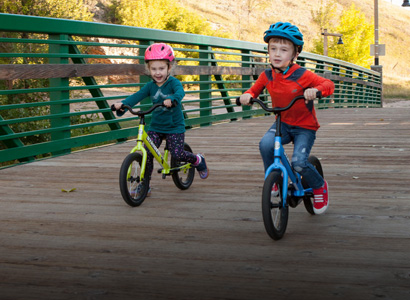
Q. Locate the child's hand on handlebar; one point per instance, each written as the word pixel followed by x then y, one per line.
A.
pixel 167 102
pixel 310 94
pixel 117 106
pixel 245 99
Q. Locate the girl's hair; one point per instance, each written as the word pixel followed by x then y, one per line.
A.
pixel 171 65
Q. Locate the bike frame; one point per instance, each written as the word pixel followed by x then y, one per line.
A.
pixel 281 162
pixel 144 139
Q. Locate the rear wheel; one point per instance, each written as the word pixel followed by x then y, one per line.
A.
pixel 308 201
pixel 275 214
pixel 183 178
pixel 133 189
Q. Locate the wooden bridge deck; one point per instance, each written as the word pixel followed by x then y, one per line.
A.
pixel 209 242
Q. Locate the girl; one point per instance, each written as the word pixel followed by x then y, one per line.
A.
pixel 167 122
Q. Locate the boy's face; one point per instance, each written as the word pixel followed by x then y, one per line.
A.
pixel 158 70
pixel 281 52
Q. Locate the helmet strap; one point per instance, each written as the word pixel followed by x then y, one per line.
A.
pixel 283 71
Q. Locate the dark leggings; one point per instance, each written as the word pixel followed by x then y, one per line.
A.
pixel 175 143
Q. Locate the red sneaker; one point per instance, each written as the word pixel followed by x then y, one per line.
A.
pixel 321 199
pixel 275 190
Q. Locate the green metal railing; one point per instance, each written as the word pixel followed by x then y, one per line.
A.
pixel 59 77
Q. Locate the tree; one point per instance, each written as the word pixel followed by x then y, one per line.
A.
pixel 357 36
pixel 163 15
pixel 325 15
pixel 159 14
pixel 68 9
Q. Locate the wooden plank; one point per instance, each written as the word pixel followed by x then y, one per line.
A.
pixel 208 242
pixel 334 77
pixel 10 72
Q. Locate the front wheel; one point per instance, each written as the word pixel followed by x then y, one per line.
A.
pixel 275 214
pixel 133 188
pixel 308 201
pixel 183 178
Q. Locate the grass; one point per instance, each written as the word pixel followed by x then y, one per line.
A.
pixel 230 16
pixel 396 88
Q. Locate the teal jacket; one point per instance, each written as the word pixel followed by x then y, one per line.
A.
pixel 164 120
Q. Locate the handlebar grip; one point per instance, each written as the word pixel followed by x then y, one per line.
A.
pixel 319 95
pixel 120 109
pixel 238 102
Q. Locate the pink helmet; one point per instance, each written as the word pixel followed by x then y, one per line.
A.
pixel 159 51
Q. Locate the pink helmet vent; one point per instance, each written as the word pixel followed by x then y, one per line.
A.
pixel 159 51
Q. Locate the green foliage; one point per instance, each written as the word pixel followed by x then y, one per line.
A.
pixel 67 9
pixel 357 35
pixel 163 15
pixel 160 14
pixel 325 15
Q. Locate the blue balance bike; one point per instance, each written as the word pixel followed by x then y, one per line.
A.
pixel 291 189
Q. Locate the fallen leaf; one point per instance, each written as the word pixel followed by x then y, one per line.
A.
pixel 68 191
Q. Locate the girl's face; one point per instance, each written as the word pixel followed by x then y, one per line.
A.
pixel 158 70
pixel 281 53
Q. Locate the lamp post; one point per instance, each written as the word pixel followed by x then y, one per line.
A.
pixel 376 32
pixel 326 34
pixel 376 47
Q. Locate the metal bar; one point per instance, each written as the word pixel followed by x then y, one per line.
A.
pixel 95 92
pixel 59 95
pixel 208 100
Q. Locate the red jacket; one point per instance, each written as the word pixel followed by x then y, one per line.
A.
pixel 283 88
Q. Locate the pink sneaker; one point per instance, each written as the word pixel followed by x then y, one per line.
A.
pixel 321 199
pixel 201 166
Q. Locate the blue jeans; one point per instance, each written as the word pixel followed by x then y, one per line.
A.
pixel 303 140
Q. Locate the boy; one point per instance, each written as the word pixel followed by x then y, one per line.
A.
pixel 284 81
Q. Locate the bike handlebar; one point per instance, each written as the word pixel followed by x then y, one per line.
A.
pixel 140 113
pixel 276 110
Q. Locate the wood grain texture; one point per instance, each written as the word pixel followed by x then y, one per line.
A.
pixel 208 242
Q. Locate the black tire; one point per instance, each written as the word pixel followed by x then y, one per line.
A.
pixel 128 186
pixel 308 201
pixel 182 180
pixel 275 214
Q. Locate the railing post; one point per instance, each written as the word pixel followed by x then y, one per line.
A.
pixel 348 88
pixel 61 94
pixel 204 86
pixel 246 84
pixel 379 68
pixel 144 78
pixel 222 87
pixel 359 90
